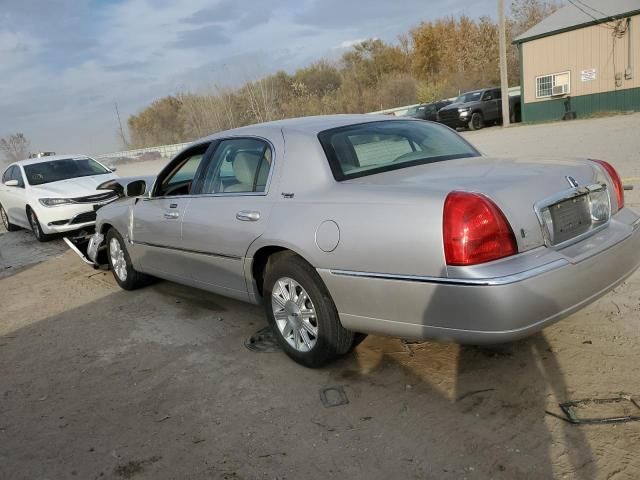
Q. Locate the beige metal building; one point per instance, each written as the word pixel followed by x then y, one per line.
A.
pixel 588 51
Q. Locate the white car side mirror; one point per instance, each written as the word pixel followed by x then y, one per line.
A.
pixel 112 168
pixel 11 183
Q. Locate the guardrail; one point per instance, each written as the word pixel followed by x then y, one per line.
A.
pixel 141 154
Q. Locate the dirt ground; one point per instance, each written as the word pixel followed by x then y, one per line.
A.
pixel 96 382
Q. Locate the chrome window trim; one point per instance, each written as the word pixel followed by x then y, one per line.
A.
pixel 202 195
pixel 567 195
pixel 186 250
pixel 494 281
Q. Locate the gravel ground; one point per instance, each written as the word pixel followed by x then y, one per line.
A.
pixel 96 382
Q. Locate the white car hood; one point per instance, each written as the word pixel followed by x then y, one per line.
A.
pixel 74 187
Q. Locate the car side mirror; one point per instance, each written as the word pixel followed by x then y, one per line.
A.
pixel 137 188
pixel 12 183
pixel 112 168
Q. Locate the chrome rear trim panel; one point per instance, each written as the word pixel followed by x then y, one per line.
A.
pixel 517 277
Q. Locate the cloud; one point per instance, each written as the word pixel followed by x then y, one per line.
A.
pixel 221 12
pixel 63 63
pixel 209 35
pixel 350 43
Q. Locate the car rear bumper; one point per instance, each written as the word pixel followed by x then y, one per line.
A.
pixel 477 307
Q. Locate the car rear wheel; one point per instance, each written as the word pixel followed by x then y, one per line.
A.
pixel 120 263
pixel 302 313
pixel 36 228
pixel 10 227
pixel 476 122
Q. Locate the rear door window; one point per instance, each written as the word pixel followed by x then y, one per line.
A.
pixel 7 174
pixel 238 165
pixel 16 174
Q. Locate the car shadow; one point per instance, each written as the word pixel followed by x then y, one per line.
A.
pixel 162 373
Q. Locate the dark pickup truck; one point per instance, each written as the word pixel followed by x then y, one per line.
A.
pixel 478 108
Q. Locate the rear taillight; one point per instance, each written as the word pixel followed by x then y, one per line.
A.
pixel 615 178
pixel 475 230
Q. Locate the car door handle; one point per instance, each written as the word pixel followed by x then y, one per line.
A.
pixel 248 216
pixel 171 215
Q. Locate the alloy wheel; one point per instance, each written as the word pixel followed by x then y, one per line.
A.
pixel 295 314
pixel 118 262
pixel 33 220
pixel 5 220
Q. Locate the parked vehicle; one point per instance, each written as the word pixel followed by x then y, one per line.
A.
pixel 370 224
pixel 53 194
pixel 478 108
pixel 429 111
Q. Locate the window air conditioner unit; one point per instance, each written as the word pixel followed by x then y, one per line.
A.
pixel 562 89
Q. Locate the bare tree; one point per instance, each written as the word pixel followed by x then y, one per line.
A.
pixel 262 99
pixel 15 147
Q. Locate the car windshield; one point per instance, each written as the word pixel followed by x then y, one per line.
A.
pixel 369 148
pixel 64 169
pixel 468 97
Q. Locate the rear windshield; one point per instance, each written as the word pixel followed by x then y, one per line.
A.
pixel 57 170
pixel 369 148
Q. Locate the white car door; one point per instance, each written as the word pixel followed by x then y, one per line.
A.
pixel 14 198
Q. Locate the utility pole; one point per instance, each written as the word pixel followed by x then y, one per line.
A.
pixel 123 137
pixel 504 81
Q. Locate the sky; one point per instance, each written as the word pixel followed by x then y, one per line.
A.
pixel 64 64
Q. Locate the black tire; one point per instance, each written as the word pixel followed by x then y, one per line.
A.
pixel 132 278
pixel 476 122
pixel 332 340
pixel 10 227
pixel 36 228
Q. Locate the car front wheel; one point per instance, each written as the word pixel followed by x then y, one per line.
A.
pixel 36 228
pixel 302 313
pixel 476 122
pixel 120 263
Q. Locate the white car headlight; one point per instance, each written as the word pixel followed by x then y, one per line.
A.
pixel 54 202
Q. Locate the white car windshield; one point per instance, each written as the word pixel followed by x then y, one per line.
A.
pixel 64 169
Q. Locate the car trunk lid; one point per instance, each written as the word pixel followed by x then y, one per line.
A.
pixel 517 186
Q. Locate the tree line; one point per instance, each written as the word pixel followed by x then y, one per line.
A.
pixel 436 59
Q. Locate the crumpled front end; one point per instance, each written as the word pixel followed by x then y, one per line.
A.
pixel 93 247
pixel 88 248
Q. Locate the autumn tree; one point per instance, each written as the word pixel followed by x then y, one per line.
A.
pixel 14 147
pixel 158 124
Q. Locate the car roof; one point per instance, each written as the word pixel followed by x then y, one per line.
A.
pixel 305 125
pixel 32 161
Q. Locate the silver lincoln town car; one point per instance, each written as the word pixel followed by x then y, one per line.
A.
pixel 368 224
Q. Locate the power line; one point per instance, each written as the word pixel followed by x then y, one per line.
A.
pixel 590 15
pixel 592 8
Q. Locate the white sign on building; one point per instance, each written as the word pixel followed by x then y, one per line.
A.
pixel 588 75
